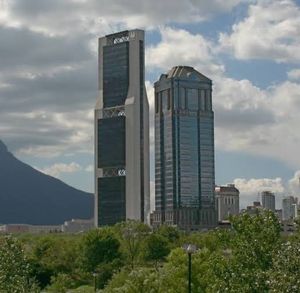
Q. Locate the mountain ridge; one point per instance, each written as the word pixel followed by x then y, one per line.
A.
pixel 29 196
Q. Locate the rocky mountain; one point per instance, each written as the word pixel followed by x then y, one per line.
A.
pixel 31 197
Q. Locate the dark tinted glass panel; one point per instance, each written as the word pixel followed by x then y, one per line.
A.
pixel 111 200
pixel 182 98
pixel 115 74
pixel 164 97
pixel 193 99
pixel 111 142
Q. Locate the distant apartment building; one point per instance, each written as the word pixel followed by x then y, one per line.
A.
pixel 289 208
pixel 228 203
pixel 184 150
pixel 268 200
pixel 77 225
pixel 32 229
pixel 253 209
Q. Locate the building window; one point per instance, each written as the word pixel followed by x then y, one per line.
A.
pixel 164 98
pixel 192 95
pixel 169 99
pixel 208 100
pixel 202 100
pixel 156 103
pixel 182 98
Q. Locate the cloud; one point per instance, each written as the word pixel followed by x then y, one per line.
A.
pixel 48 87
pixel 251 189
pixel 46 133
pixel 56 169
pixel 178 45
pixel 257 121
pixel 270 31
pixel 33 52
pixel 106 16
pixel 294 74
pixel 294 184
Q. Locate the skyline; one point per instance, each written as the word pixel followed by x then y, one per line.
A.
pixel 48 81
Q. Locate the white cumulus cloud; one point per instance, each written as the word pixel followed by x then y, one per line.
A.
pixel 294 74
pixel 58 168
pixel 270 31
pixel 180 47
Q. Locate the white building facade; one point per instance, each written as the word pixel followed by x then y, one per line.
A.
pixel 228 201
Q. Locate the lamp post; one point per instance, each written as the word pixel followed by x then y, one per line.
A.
pixel 95 281
pixel 190 249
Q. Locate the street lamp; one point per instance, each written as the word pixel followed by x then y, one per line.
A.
pixel 190 249
pixel 95 281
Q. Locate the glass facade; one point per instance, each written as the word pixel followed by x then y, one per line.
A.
pixel 115 74
pixel 184 145
pixel 111 136
pixel 111 200
pixel 121 130
pixel 111 142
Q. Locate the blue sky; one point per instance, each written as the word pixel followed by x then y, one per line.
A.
pixel 250 49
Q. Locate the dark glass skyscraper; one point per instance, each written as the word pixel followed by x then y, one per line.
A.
pixel 121 131
pixel 184 150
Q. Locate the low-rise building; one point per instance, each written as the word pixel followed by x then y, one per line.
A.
pixel 228 202
pixel 77 225
pixel 26 228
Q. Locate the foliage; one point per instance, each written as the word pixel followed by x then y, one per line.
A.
pixel 156 248
pixel 14 267
pixel 98 246
pixel 249 257
pixel 172 234
pixel 61 283
pixel 132 234
pixel 285 274
pixel 135 281
pixel 51 255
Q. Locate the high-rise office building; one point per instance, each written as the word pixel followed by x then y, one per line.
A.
pixel 289 208
pixel 121 131
pixel 184 150
pixel 268 200
pixel 228 202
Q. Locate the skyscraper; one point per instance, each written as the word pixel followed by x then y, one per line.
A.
pixel 268 200
pixel 184 150
pixel 289 208
pixel 121 131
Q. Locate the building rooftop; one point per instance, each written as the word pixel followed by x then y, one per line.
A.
pixel 227 188
pixel 185 72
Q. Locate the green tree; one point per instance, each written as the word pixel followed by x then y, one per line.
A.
pixel 284 276
pixel 170 233
pixel 132 234
pixel 52 255
pixel 138 280
pixel 14 268
pixel 254 239
pixel 61 283
pixel 156 248
pixel 99 246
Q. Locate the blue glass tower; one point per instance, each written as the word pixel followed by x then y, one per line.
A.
pixel 184 150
